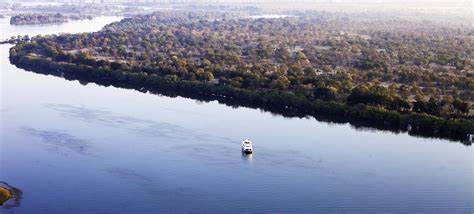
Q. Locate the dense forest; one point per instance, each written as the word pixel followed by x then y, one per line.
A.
pixel 401 72
pixel 30 19
pixel 73 11
pixel 35 18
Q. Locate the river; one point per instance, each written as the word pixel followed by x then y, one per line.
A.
pixel 73 147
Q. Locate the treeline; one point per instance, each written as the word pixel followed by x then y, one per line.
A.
pixel 45 18
pixel 74 10
pixel 34 18
pixel 281 102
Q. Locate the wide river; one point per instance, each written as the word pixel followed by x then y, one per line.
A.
pixel 73 147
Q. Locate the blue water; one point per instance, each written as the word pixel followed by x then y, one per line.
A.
pixel 75 148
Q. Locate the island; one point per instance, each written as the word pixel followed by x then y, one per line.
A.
pixel 71 10
pixel 34 18
pixel 5 195
pixel 29 19
pixel 399 75
pixel 10 194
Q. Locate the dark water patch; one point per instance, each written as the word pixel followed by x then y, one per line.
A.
pixel 209 153
pixel 128 174
pixel 60 139
pixel 144 127
pixel 147 184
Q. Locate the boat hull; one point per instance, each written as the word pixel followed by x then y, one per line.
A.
pixel 247 151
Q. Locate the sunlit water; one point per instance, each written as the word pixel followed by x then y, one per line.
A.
pixel 80 26
pixel 74 148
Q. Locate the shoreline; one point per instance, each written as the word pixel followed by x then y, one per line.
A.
pixel 283 103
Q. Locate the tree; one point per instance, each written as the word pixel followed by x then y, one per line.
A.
pixel 461 106
pixel 325 93
pixel 465 108
pixel 116 65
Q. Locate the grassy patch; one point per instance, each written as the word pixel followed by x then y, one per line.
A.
pixel 4 195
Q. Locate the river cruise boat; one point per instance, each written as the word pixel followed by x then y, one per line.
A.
pixel 247 146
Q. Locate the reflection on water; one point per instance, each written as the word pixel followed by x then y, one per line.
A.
pixel 247 157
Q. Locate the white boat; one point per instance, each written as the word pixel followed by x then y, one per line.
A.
pixel 247 146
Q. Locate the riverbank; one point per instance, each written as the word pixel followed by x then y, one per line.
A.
pixel 284 103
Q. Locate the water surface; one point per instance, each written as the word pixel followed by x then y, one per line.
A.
pixel 73 147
